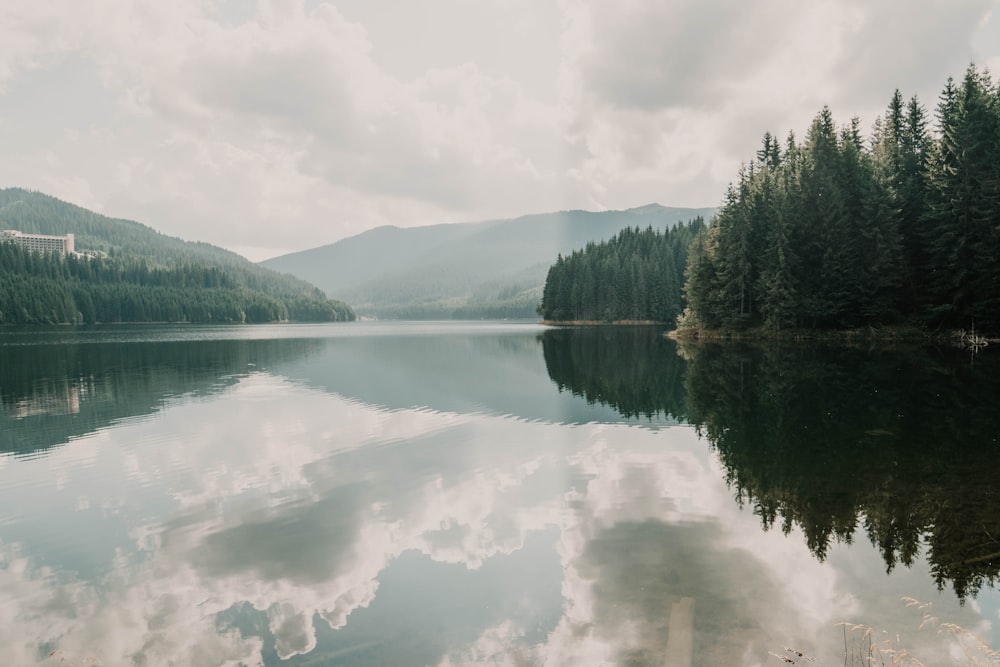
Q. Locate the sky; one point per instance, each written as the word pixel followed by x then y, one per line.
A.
pixel 279 125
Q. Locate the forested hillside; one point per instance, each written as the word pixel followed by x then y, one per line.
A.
pixel 471 270
pixel 636 275
pixel 135 274
pixel 838 231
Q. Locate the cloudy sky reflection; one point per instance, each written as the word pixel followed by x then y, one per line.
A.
pixel 276 521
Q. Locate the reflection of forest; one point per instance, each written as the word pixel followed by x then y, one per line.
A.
pixel 57 400
pixel 51 393
pixel 635 370
pixel 904 443
pixel 901 443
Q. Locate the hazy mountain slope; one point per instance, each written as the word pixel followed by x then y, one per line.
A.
pixel 487 269
pixel 366 256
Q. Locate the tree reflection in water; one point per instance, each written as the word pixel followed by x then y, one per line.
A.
pixel 900 442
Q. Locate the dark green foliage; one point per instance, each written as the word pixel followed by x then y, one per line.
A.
pixel 962 220
pixel 900 148
pixel 138 275
pixel 635 370
pixel 902 444
pixel 636 275
pixel 837 232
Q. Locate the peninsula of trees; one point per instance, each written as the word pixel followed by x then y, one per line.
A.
pixel 134 274
pixel 835 232
pixel 839 232
pixel 635 276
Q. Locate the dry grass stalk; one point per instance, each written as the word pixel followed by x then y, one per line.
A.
pixel 872 648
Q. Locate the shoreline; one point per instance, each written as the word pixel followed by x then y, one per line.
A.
pixel 166 323
pixel 604 323
pixel 902 334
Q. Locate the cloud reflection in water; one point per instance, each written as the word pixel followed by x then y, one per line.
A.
pixel 276 522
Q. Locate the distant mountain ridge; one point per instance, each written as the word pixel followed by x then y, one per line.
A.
pixel 494 268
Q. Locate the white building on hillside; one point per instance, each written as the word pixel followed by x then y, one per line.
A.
pixel 39 242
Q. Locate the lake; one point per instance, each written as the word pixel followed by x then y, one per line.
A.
pixel 489 493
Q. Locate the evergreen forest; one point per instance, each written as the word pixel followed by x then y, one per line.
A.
pixel 636 275
pixel 130 273
pixel 838 231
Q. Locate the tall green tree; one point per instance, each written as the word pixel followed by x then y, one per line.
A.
pixel 962 221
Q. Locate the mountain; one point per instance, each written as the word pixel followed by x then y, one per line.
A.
pixel 129 272
pixel 494 268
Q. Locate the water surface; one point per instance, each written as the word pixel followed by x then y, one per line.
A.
pixel 445 494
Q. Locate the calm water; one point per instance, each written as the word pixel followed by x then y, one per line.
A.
pixel 451 494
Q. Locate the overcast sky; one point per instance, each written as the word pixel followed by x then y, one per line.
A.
pixel 282 125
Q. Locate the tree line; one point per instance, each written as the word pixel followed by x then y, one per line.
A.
pixel 635 275
pixel 838 231
pixel 37 288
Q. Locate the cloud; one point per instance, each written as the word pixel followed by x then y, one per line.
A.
pixel 305 82
pixel 33 36
pixel 651 56
pixel 893 46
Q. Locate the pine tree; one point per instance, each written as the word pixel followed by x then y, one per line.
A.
pixel 899 156
pixel 964 204
pixel 733 255
pixel 778 297
pixel 822 235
